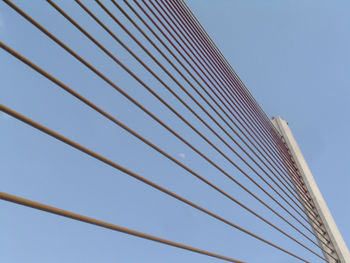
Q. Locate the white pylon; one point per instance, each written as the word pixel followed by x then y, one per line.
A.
pixel 336 241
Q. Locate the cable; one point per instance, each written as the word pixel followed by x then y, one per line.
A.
pixel 129 172
pixel 81 98
pixel 163 25
pixel 114 36
pixel 172 14
pixel 208 103
pixel 151 30
pixel 219 83
pixel 273 131
pixel 146 111
pixel 182 26
pixel 192 127
pixel 175 26
pixel 197 74
pixel 96 222
pixel 187 23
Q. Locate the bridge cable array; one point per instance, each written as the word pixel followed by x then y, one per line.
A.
pixel 233 110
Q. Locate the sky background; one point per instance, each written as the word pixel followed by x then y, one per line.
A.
pixel 294 57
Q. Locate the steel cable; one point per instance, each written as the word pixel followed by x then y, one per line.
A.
pixel 89 220
pixel 160 22
pixel 129 172
pixel 280 150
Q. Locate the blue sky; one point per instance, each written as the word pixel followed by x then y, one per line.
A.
pixel 294 56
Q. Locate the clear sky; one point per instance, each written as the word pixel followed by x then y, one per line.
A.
pixel 294 57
